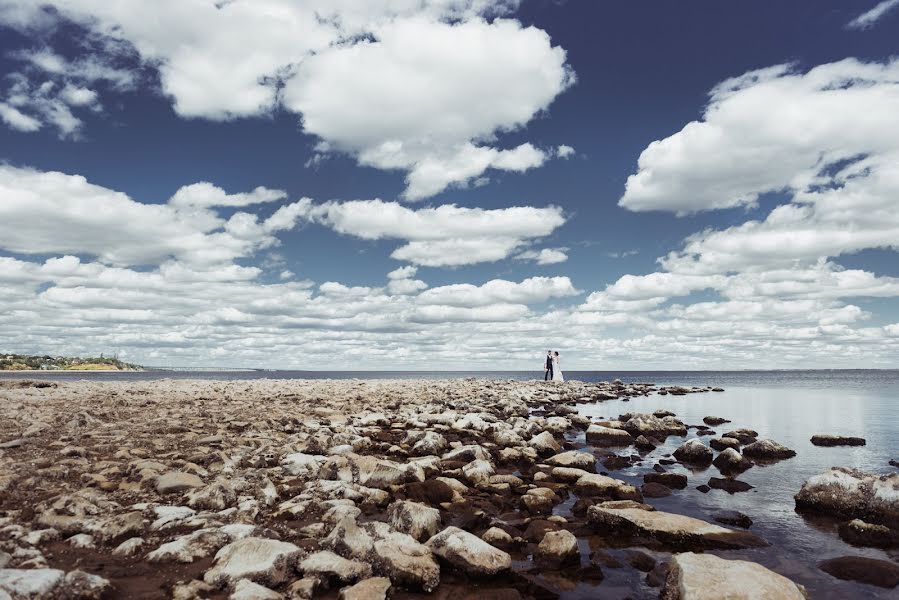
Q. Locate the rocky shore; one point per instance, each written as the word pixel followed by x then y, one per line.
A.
pixel 363 490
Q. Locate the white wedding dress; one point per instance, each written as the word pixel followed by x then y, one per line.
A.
pixel 557 371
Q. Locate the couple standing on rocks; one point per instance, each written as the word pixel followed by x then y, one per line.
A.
pixel 552 369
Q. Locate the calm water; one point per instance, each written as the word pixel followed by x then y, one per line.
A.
pixel 786 406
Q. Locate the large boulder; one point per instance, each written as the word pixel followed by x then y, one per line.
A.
pixel 469 553
pixel 731 462
pixel 694 452
pixel 261 560
pixel 873 571
pixel 708 577
pixel 544 443
pixel 852 494
pixel 671 530
pixel 402 559
pixel 599 435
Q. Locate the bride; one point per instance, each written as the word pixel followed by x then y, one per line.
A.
pixel 557 369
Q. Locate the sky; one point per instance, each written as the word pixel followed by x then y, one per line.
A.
pixel 451 184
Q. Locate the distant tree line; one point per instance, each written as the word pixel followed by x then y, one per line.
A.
pixel 21 362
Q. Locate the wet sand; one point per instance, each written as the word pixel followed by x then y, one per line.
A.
pixel 210 464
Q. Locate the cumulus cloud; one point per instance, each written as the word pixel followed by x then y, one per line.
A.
pixel 318 58
pixel 204 195
pixel 868 18
pixel 754 137
pixel 500 291
pixel 564 151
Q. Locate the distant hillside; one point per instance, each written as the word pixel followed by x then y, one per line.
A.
pixel 24 362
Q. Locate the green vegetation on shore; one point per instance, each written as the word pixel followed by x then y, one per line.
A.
pixel 25 362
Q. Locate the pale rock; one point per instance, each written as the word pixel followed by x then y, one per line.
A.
pixel 467 453
pixel 217 495
pixel 264 561
pixel 188 548
pixel 573 459
pixel 601 485
pixel 36 584
pixel 567 474
pixel 170 516
pixel 600 435
pixel 331 566
pixel 299 464
pixel 247 590
pixel 708 577
pixel 767 450
pixel 175 482
pixel 852 494
pixel 416 519
pixel 544 443
pixel 192 590
pixel 497 537
pixel 82 540
pixel 129 547
pixel 374 588
pixel 468 552
pixel 694 452
pixel 558 548
pixel 401 558
pixel 478 472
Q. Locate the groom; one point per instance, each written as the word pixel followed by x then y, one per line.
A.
pixel 548 366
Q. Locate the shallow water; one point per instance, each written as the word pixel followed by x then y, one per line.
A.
pixel 790 413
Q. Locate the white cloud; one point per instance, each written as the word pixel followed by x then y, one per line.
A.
pixel 770 130
pixel 867 19
pixel 440 82
pixel 545 256
pixel 564 151
pixel 496 313
pixel 204 195
pixel 18 120
pixel 499 291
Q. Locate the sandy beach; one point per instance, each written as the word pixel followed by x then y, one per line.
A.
pixel 376 488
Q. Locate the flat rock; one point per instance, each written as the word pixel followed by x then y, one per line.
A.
pixel 374 588
pixel 38 584
pixel 599 435
pixel 572 458
pixel 650 425
pixel 837 440
pixel 852 494
pixel 333 567
pixel 714 421
pixel 175 482
pixel 264 561
pixel 873 571
pixel 190 547
pixel 405 561
pixel 672 530
pixel 708 577
pixel 247 590
pixel 860 533
pixel 655 490
pixel 469 553
pixel 601 485
pixel 729 485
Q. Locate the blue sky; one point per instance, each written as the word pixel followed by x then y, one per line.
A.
pixel 451 183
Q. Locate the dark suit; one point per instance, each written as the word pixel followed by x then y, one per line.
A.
pixel 548 374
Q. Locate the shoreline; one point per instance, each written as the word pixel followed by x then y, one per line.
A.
pixel 158 476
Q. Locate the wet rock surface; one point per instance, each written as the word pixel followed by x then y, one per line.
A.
pixel 863 569
pixel 708 577
pixel 837 440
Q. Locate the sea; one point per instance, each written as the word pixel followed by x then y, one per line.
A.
pixel 787 406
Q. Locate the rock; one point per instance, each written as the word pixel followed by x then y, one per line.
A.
pixel 431 491
pixel 218 495
pixel 264 561
pixel 82 540
pixel 837 440
pixel 247 590
pixel 574 459
pixel 374 588
pixel 305 588
pixel 731 486
pixel 544 443
pixel 640 560
pixel 595 484
pixel 744 436
pixel 731 462
pixel 650 425
pixel 708 577
pixel 859 533
pixel 601 558
pixel 567 474
pixel 188 548
pixel 468 552
pixel 402 559
pixel 430 443
pixel 129 547
pixel 733 517
pixel 333 567
pixel 673 531
pixel 37 584
pixel 598 435
pixel 497 537
pixel 767 450
pixel 694 452
pixel 713 421
pixel 723 443
pixel 873 571
pixel 646 443
pixel 175 482
pixel 676 481
pixel 478 472
pixel 655 490
pixel 419 521
pixel 85 586
pixel 557 549
pixel 703 488
pixel 852 494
